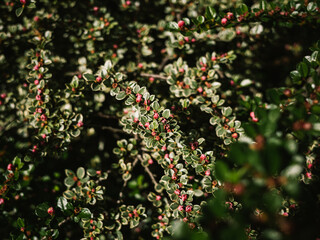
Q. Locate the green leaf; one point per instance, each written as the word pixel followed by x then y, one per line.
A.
pixel 81 172
pixel 226 111
pixel 210 13
pixel 172 26
pixel 295 76
pixel 200 19
pixel 41 210
pixel 303 69
pixel 19 11
pixel 121 95
pixel 69 181
pixel 166 113
pixel 85 213
pixel 89 77
pixel 20 222
pixel 62 203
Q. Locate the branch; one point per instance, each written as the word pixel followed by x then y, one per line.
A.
pixel 146 168
pixel 107 116
pixel 164 61
pixel 111 129
pixel 64 221
pixel 154 76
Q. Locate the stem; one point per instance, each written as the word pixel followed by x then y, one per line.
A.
pixel 154 76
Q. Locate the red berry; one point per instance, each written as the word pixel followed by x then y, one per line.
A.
pixel 181 24
pixel 188 208
pixel 98 79
pixel 229 15
pixel 23 2
pixel 139 98
pixel 150 161
pixel 36 82
pixel 235 135
pixel 1 201
pixel 155 115
pixel 224 21
pixel 80 124
pixel 10 167
pixel 50 211
pixel 158 197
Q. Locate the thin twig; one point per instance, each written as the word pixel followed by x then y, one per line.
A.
pixel 107 116
pixel 111 129
pixel 148 171
pixel 164 61
pixel 64 221
pixel 153 75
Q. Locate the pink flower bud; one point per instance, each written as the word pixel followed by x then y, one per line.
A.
pixel 147 125
pixel 207 173
pixel 36 82
pixel 1 201
pixel 180 208
pixel 150 161
pixel 200 89
pixel 177 191
pixel 158 197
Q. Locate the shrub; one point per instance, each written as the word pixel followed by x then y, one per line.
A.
pixel 174 119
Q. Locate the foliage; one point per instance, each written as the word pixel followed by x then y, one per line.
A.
pixel 176 119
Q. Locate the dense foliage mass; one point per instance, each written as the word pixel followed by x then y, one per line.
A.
pixel 167 119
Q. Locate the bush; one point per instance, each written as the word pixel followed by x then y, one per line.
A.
pixel 176 119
